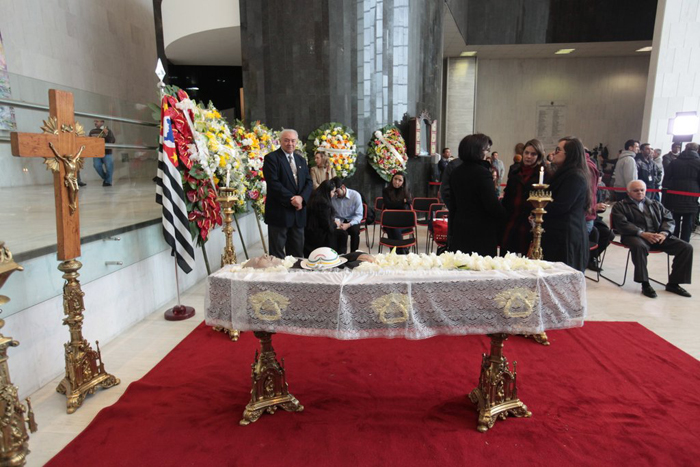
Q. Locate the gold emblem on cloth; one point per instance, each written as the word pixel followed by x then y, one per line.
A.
pixel 268 305
pixel 392 308
pixel 517 302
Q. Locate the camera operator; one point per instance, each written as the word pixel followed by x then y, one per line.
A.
pixel 104 165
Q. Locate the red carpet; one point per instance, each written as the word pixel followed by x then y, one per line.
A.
pixel 607 393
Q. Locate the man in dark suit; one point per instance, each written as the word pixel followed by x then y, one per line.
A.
pixel 646 225
pixel 288 189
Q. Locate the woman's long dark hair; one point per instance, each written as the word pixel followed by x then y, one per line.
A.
pixel 472 147
pixel 322 194
pixel 398 194
pixel 320 206
pixel 575 161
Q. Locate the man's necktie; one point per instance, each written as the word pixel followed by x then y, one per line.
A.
pixel 290 158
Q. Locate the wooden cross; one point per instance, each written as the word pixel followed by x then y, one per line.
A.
pixel 63 145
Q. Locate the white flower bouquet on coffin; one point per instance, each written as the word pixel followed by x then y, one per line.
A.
pixel 452 261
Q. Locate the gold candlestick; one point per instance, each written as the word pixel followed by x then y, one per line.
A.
pixel 228 199
pixel 539 198
pixel 14 440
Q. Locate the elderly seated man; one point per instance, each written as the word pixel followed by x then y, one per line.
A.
pixel 646 225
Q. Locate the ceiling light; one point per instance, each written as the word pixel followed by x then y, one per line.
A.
pixel 467 54
pixel 192 88
pixel 563 51
pixel 644 49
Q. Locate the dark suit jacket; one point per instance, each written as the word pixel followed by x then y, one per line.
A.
pixel 565 237
pixel 627 219
pixel 281 187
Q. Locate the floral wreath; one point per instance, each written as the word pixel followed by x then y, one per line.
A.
pixel 254 143
pixel 338 141
pixel 386 152
pixel 198 182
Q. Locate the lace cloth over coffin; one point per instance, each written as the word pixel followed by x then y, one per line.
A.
pixel 352 304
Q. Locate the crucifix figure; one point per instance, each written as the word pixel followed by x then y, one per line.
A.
pixel 63 145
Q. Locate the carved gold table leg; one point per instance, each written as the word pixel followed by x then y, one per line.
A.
pixel 233 334
pixel 269 384
pixel 539 197
pixel 228 199
pixel 497 394
pixel 85 371
pixel 540 338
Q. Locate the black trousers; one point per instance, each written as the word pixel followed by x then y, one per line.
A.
pixel 601 235
pixel 342 239
pixel 684 225
pixel 286 240
pixel 681 251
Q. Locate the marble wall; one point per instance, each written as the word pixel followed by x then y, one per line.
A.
pixel 674 72
pixel 362 63
pixel 604 98
pixel 460 106
pixel 103 46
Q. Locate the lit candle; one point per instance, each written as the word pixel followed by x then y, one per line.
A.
pixel 228 177
pixel 541 175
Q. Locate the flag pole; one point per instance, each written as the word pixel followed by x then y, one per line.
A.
pixel 178 312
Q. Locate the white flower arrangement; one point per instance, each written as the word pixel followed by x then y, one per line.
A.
pixel 452 261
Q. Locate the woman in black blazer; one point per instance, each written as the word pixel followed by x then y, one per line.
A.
pixel 565 236
pixel 476 216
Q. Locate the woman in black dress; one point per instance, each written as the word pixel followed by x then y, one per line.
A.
pixel 321 225
pixel 565 236
pixel 476 216
pixel 396 195
pixel 517 234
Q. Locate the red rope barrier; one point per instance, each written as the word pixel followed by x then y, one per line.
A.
pixel 652 190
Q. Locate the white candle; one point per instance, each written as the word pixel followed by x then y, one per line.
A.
pixel 228 177
pixel 541 175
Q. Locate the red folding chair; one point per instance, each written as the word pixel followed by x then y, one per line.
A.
pixel 422 206
pixel 378 208
pixel 627 262
pixel 398 219
pixel 440 223
pixel 429 231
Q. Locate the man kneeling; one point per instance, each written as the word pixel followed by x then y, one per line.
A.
pixel 646 225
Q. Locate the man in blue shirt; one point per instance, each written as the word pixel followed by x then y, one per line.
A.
pixel 348 210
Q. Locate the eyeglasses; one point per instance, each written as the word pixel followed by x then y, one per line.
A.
pixel 557 150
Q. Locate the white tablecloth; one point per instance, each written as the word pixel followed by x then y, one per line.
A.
pixel 346 304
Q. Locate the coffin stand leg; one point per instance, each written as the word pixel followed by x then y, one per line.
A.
pixel 497 394
pixel 270 389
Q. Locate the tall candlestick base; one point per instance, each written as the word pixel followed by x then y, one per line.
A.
pixel 14 439
pixel 85 370
pixel 228 200
pixel 539 198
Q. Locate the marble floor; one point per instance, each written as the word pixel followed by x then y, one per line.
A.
pixel 29 216
pixel 131 355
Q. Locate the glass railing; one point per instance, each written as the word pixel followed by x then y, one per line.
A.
pixel 119 224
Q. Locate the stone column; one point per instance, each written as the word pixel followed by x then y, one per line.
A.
pixel 363 63
pixel 674 70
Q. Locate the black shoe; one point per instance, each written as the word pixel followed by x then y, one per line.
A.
pixel 106 184
pixel 648 291
pixel 82 184
pixel 678 290
pixel 593 266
